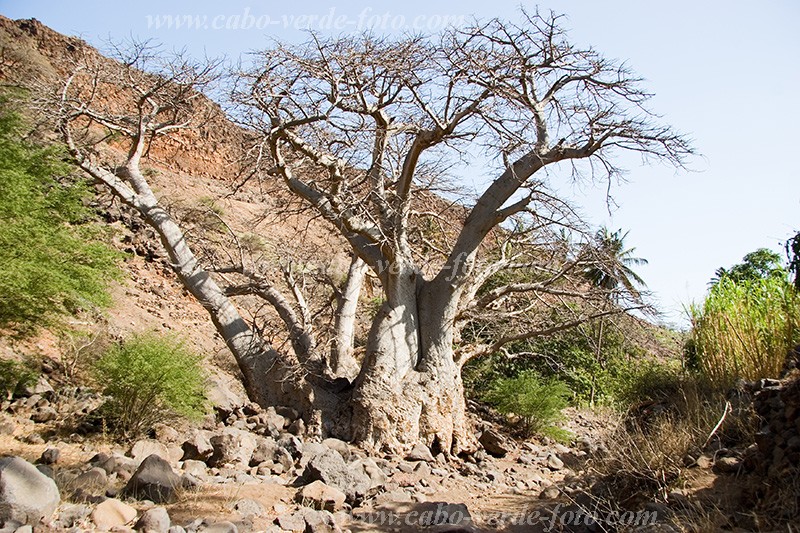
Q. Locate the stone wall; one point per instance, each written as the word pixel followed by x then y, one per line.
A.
pixel 777 402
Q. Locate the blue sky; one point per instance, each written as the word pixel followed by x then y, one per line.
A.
pixel 725 73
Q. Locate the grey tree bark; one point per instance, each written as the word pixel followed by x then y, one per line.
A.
pixel 363 131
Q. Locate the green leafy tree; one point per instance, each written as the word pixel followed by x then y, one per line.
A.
pixel 612 271
pixel 761 264
pixel 51 261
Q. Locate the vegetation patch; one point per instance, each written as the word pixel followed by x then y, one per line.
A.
pixel 535 403
pixel 14 376
pixel 53 260
pixel 149 379
pixel 747 324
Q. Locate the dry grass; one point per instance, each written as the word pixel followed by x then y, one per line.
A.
pixel 651 448
pixel 643 464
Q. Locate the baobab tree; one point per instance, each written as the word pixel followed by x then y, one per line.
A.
pixel 354 125
pixel 361 130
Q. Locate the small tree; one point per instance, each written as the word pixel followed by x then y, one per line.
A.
pixel 148 380
pixel 537 402
pixel 761 264
pixel 614 274
pixel 51 260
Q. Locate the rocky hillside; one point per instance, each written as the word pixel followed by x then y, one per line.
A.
pixel 246 468
pixel 190 171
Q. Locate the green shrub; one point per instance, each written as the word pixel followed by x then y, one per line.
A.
pixel 744 329
pixel 572 358
pixel 645 381
pixel 52 261
pixel 536 402
pixel 149 379
pixel 14 376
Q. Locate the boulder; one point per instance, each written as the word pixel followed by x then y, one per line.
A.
pixel 249 508
pixel 494 443
pixel 420 452
pixel 727 465
pixel 264 452
pixel 155 520
pixel 154 480
pixel 166 433
pixel 232 446
pixel 377 478
pixel 272 421
pixel 550 493
pixel 311 449
pixel 112 513
pixel 298 427
pixel 291 522
pixel 197 447
pixel 90 485
pixel 284 459
pixel 319 521
pixel 116 464
pixel 195 468
pixel 331 469
pixel 289 413
pixel 338 445
pixel 26 495
pixel 50 456
pixel 71 515
pixel 222 392
pixel 147 447
pixel 554 463
pixel 292 444
pixel 221 527
pixel 44 414
pixel 42 388
pixel 318 495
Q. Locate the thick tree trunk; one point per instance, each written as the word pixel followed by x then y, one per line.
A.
pixel 410 389
pixel 342 363
pixel 266 378
pixel 254 357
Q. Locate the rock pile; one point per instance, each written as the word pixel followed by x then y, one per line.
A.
pixel 777 402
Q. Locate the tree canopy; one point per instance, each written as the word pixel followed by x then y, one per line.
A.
pixel 51 261
pixel 759 264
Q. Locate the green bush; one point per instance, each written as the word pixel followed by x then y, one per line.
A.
pixel 14 376
pixel 149 379
pixel 645 381
pixel 744 329
pixel 534 401
pixel 52 261
pixel 570 357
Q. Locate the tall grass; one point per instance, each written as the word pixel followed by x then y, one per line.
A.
pixel 744 329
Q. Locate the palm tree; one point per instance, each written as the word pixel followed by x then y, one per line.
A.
pixel 613 267
pixel 612 270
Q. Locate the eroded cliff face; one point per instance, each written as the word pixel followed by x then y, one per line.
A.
pixel 31 54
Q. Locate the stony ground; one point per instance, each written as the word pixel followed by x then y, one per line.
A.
pixel 258 470
pixel 245 469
